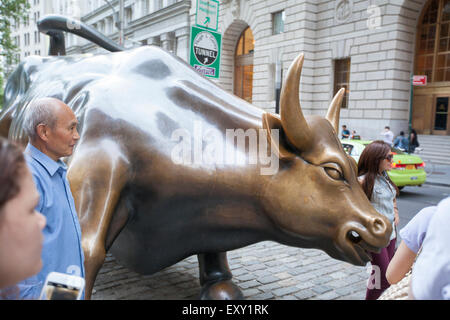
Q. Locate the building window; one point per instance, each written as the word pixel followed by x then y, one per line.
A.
pixel 433 43
pixel 128 15
pixel 101 26
pixel 278 22
pixel 109 25
pixel 26 39
pixel 342 78
pixel 158 5
pixel 243 66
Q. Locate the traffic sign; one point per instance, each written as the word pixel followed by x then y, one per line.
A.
pixel 419 80
pixel 207 15
pixel 205 51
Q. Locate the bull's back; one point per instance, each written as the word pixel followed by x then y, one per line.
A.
pixel 138 100
pixel 149 88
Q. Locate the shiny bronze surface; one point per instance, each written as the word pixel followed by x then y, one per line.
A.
pixel 151 212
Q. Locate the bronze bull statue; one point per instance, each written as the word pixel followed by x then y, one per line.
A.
pixel 150 211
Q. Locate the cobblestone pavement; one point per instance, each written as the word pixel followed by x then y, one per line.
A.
pixel 266 270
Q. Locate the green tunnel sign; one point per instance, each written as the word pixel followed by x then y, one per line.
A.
pixel 205 51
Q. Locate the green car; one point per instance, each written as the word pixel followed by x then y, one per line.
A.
pixel 407 169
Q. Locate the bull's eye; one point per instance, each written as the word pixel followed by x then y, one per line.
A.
pixel 333 173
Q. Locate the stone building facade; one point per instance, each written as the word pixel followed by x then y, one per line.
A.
pixel 370 47
pixel 376 38
pixel 146 22
pixel 25 34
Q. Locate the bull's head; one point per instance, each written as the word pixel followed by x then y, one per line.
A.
pixel 315 197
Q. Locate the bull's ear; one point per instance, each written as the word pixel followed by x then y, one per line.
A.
pixel 353 163
pixel 281 147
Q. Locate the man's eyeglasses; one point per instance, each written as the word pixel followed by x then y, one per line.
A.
pixel 389 157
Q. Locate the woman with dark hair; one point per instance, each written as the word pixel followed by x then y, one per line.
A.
pixel 413 141
pixel 21 226
pixel 375 161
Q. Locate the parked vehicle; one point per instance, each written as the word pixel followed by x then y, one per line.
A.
pixel 407 169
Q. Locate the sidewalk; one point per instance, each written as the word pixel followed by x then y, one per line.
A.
pixel 264 271
pixel 440 176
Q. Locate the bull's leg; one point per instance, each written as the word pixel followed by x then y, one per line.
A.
pixel 215 278
pixel 97 175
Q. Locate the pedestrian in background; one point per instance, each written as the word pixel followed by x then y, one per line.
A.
pixel 20 225
pixel 388 135
pixel 401 141
pixel 51 127
pixel 345 132
pixel 375 161
pixel 354 136
pixel 413 141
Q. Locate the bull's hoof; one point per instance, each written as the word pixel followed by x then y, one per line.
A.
pixel 222 290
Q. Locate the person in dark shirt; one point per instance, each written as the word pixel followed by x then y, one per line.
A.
pixel 413 142
pixel 345 132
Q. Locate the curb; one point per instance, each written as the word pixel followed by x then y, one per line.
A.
pixel 437 184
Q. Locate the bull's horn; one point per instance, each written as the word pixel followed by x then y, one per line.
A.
pixel 335 109
pixel 294 123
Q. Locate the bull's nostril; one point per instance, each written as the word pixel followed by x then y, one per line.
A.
pixel 379 226
pixel 354 236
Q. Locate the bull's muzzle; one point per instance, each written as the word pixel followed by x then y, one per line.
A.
pixel 357 240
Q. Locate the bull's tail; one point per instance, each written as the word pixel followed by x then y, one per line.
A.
pixel 54 25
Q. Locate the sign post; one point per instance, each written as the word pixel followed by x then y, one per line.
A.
pixel 207 14
pixel 419 80
pixel 205 51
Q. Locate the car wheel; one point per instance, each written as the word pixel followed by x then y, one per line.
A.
pixel 400 188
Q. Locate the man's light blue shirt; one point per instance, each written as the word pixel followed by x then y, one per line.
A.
pixel 62 251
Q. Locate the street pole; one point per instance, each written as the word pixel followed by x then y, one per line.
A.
pixel 112 8
pixel 121 22
pixel 411 103
pixel 278 80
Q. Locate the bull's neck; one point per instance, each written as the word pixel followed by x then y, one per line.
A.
pixel 242 190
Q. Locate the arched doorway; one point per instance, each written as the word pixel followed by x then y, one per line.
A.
pixel 431 103
pixel 243 65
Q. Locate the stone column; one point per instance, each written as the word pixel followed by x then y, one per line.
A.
pixel 182 39
pixel 154 41
pixel 167 41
